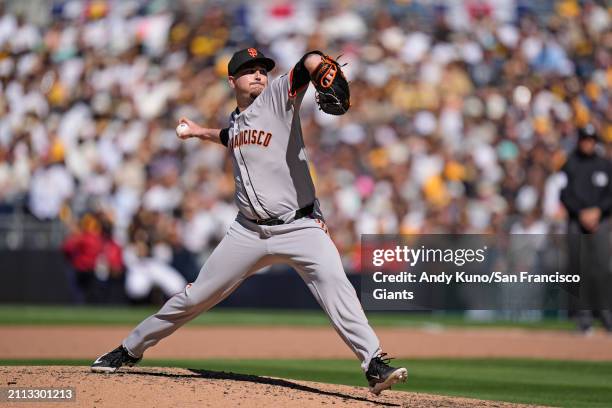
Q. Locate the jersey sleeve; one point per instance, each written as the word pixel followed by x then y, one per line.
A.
pixel 286 92
pixel 224 136
pixel 299 78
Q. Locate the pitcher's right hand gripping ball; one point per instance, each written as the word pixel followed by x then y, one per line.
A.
pixel 333 95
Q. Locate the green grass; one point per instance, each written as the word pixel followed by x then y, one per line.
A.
pixel 555 383
pixel 70 315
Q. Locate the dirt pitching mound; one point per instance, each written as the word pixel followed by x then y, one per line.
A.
pixel 173 387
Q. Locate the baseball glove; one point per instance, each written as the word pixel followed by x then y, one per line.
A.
pixel 333 95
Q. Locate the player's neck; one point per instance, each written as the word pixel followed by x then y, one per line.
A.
pixel 244 102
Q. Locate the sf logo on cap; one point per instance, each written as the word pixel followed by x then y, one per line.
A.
pixel 252 52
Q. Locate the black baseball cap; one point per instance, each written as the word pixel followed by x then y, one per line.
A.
pixel 248 55
pixel 587 132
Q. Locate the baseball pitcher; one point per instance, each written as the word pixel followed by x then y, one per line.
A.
pixel 279 219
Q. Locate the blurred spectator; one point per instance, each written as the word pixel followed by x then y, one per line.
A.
pixel 146 273
pixel 588 199
pixel 96 261
pixel 462 112
pixel 51 185
pixel 151 249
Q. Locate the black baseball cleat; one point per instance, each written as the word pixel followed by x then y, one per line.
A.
pixel 381 376
pixel 111 361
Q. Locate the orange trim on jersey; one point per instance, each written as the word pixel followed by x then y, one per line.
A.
pixel 322 225
pixel 297 91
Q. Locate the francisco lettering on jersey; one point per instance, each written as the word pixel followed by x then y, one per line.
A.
pixel 251 136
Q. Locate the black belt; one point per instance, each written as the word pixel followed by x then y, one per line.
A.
pixel 301 213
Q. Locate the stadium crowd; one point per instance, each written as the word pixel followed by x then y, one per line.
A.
pixel 462 115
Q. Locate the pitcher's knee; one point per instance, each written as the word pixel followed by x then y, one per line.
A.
pixel 332 275
pixel 201 300
pixel 191 300
pixel 182 301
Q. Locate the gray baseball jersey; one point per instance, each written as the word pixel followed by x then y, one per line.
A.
pixel 272 181
pixel 270 164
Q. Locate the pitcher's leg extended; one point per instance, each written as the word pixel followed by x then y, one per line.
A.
pixel 320 266
pixel 221 274
pixel 315 257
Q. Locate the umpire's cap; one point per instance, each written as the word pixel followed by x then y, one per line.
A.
pixel 587 132
pixel 248 55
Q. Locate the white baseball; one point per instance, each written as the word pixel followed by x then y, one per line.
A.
pixel 182 129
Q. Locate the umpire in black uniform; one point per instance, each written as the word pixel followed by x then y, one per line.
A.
pixel 588 200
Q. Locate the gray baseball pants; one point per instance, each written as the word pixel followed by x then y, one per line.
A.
pixel 248 247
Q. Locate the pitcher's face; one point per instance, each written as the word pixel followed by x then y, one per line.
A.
pixel 250 80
